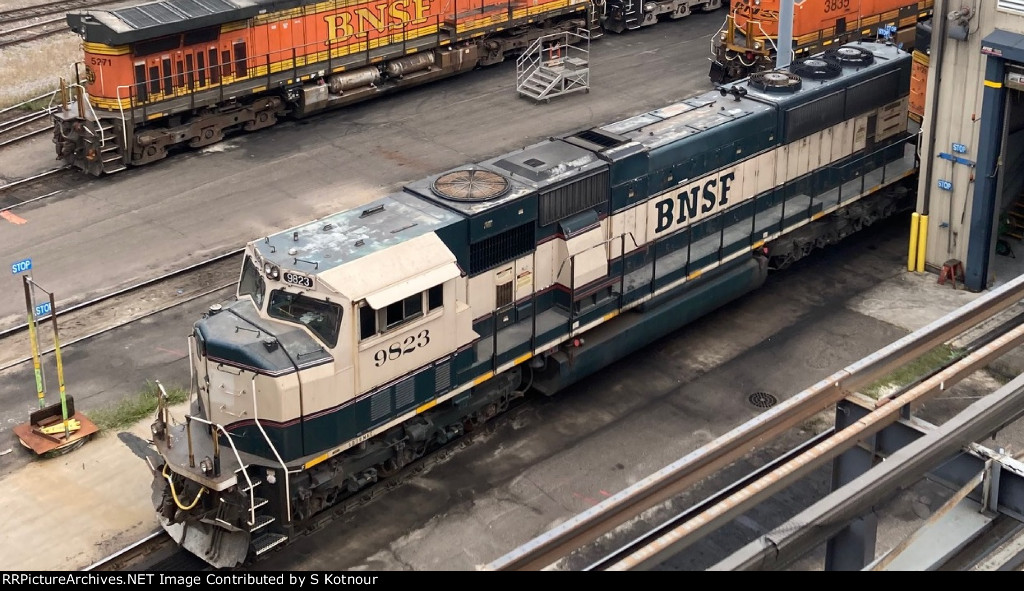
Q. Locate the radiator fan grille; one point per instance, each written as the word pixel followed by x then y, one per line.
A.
pixel 817 68
pixel 470 185
pixel 851 56
pixel 775 81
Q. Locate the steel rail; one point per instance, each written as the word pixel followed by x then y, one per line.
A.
pixel 145 546
pixel 28 179
pixel 544 550
pixel 62 7
pixel 23 137
pixel 20 14
pixel 27 101
pixel 22 120
pixel 33 25
pixel 32 200
pixel 34 36
pixel 117 325
pixel 68 308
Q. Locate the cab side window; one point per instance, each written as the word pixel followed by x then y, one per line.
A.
pixel 373 322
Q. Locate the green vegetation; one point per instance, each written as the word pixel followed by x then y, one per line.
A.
pixel 36 105
pixel 907 374
pixel 131 410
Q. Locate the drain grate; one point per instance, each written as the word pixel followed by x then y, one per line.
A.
pixel 763 400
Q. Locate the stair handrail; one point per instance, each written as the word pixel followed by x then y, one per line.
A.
pixel 287 480
pixel 527 62
pixel 219 427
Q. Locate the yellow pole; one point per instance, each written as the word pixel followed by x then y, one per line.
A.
pixel 34 342
pixel 60 368
pixel 922 242
pixel 915 219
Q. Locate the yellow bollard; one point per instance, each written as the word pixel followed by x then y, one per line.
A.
pixel 922 242
pixel 915 220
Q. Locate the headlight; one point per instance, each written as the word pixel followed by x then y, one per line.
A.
pixel 271 271
pixel 275 273
pixel 757 46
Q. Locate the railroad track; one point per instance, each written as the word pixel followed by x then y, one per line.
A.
pixel 988 340
pixel 11 193
pixel 155 544
pixel 46 9
pixel 98 315
pixel 25 32
pixel 35 22
pixel 20 122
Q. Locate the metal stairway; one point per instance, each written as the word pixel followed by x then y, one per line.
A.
pixel 555 65
pixel 267 540
pixel 102 147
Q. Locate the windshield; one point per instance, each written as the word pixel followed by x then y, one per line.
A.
pixel 251 283
pixel 323 318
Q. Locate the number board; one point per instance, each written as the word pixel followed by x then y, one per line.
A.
pixel 21 266
pixel 298 279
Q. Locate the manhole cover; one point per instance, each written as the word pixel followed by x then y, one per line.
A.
pixel 470 185
pixel 763 400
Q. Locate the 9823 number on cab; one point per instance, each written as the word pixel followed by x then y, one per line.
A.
pixel 405 347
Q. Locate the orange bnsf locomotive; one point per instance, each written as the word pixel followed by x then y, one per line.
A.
pixel 747 42
pixel 184 72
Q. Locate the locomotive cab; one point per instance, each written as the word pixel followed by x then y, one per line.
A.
pixel 302 366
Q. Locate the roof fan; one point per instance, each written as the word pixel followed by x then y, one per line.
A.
pixel 851 55
pixel 817 68
pixel 775 81
pixel 470 184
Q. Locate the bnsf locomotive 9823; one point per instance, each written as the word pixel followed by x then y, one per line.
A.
pixel 748 41
pixel 183 72
pixel 363 340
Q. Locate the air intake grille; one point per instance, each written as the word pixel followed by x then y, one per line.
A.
pixel 380 404
pixel 502 248
pixel 601 139
pixel 442 378
pixel 573 198
pixel 405 394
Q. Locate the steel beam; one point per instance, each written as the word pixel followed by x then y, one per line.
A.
pixel 544 550
pixel 931 452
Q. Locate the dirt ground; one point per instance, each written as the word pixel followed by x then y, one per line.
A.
pixel 34 68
